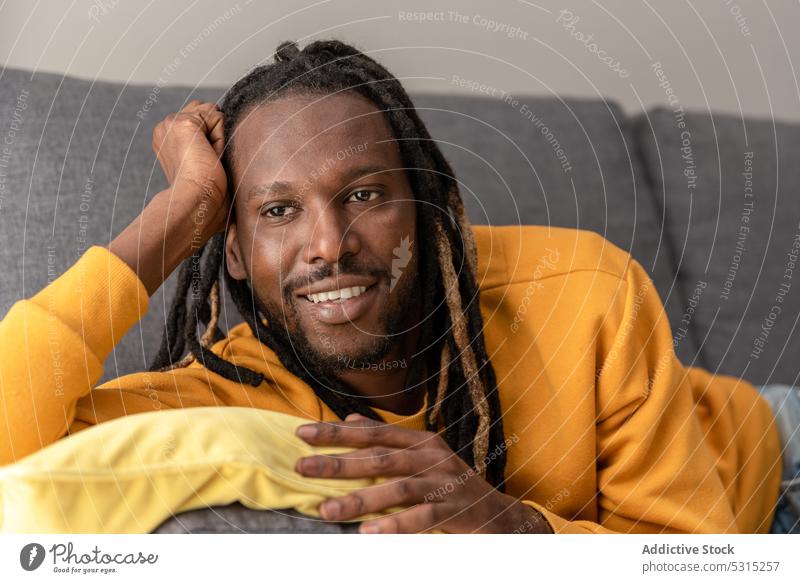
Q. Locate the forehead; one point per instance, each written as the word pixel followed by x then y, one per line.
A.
pixel 289 138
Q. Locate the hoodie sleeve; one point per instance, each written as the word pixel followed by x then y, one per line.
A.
pixel 54 346
pixel 654 471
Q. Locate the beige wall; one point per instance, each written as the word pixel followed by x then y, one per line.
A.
pixel 720 54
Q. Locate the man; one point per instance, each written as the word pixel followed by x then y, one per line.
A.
pixel 503 379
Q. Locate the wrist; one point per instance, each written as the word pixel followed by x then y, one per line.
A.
pixel 524 519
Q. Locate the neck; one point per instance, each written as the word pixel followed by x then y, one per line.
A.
pixel 384 383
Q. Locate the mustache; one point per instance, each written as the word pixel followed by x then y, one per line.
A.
pixel 348 265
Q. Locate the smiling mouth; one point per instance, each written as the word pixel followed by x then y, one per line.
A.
pixel 343 305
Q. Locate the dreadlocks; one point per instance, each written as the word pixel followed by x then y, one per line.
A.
pixel 459 378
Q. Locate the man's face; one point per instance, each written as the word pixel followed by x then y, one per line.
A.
pixel 323 205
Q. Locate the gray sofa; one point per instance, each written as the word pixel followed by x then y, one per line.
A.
pixel 672 188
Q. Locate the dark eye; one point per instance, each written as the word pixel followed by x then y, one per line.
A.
pixel 278 211
pixel 364 195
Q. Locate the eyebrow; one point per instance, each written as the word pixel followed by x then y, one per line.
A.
pixel 282 188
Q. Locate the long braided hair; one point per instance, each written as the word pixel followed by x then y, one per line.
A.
pixel 461 384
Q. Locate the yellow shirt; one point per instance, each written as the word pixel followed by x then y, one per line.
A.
pixel 606 430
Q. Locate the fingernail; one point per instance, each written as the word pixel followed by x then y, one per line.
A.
pixel 306 431
pixel 332 508
pixel 370 529
pixel 309 465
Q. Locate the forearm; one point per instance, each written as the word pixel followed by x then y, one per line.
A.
pixel 167 231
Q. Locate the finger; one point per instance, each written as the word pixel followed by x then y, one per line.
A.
pixel 395 492
pixel 216 130
pixel 355 417
pixel 420 518
pixel 372 462
pixel 209 120
pixel 208 112
pixel 367 432
pixel 196 104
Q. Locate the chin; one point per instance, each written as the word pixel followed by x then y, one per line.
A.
pixel 332 351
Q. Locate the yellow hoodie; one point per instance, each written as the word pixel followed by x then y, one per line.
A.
pixel 606 430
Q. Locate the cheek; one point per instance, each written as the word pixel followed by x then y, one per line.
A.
pixel 269 267
pixel 385 226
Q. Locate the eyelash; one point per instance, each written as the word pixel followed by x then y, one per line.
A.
pixel 378 192
pixel 266 211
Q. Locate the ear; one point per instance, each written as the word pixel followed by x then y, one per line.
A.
pixel 233 254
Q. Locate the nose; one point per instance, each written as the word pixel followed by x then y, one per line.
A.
pixel 332 236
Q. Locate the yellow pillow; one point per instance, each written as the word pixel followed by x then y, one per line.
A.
pixel 130 474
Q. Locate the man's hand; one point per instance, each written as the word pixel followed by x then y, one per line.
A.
pixel 182 218
pixel 188 145
pixel 423 472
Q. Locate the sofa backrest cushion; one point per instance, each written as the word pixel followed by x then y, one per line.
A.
pixel 77 166
pixel 729 188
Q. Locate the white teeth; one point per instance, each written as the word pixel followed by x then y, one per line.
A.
pixel 344 294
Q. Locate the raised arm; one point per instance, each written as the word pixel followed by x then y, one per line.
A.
pixel 179 220
pixel 54 344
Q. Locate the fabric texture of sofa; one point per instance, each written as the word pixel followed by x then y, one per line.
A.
pixel 707 203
